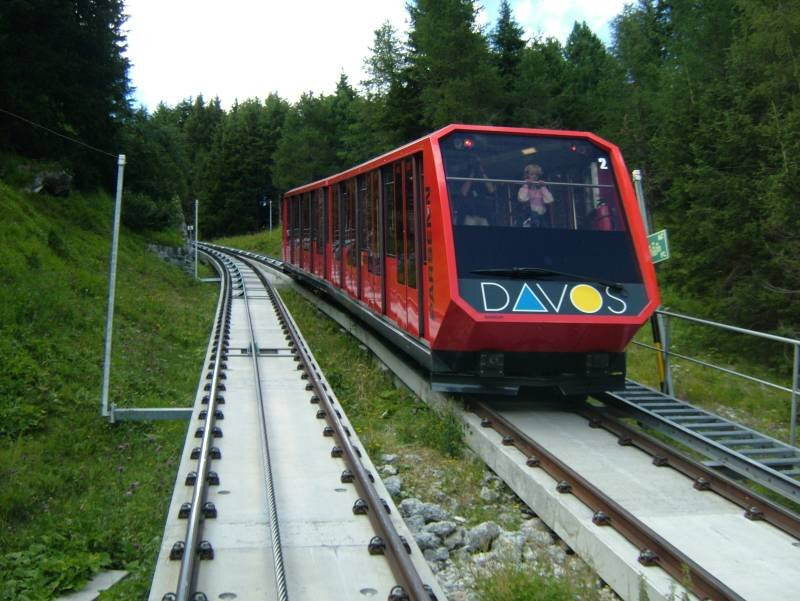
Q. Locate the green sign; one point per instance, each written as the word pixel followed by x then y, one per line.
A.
pixel 659 247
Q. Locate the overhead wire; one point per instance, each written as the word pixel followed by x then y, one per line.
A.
pixel 66 137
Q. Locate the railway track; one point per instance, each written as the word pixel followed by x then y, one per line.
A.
pixel 647 517
pixel 274 497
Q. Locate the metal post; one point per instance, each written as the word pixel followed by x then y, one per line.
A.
pixel 795 371
pixel 664 325
pixel 270 215
pixel 656 324
pixel 196 234
pixel 637 184
pixel 112 283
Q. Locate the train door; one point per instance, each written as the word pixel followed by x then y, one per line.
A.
pixel 401 198
pixel 371 254
pixel 335 269
pixel 350 259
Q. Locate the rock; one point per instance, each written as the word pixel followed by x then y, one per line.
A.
pixel 388 458
pixel 415 523
pixel 488 477
pixel 440 529
pixel 393 484
pixel 388 470
pixel 533 525
pixel 509 545
pixel 456 539
pixel 427 540
pixel 411 506
pixel 459 519
pixel 438 554
pixel 55 183
pixel 488 495
pixel 556 554
pixel 481 536
pixel 429 511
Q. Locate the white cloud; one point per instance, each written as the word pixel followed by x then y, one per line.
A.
pixel 549 18
pixel 249 48
pixel 243 49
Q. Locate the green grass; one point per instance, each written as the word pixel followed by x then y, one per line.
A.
pixel 80 494
pixel 264 242
pixel 514 582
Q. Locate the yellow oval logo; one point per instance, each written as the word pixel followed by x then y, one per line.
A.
pixel 585 298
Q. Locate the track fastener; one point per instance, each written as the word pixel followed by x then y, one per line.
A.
pixel 360 507
pixel 533 461
pixel 601 519
pixel 209 510
pixel 648 558
pixel 508 440
pixel 176 552
pixel 398 593
pixel 702 484
pixel 184 511
pixel 376 546
pixel 205 550
pixel 347 477
pixel 564 487
pixel 660 461
pixel 754 513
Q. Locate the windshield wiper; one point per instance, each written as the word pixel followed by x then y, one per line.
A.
pixel 538 272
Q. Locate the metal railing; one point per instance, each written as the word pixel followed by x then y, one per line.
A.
pixel 664 320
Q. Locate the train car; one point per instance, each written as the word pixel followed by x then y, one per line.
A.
pixel 500 259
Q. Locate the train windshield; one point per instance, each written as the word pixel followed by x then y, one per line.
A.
pixel 536 202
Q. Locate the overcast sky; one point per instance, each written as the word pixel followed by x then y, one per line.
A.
pixel 242 49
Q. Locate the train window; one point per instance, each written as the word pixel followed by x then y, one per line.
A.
pixel 536 201
pixel 350 220
pixel 335 215
pixel 363 213
pixel 306 220
pixel 399 224
pixel 411 249
pixel 530 182
pixel 388 195
pixel 319 220
pixel 374 230
pixel 295 210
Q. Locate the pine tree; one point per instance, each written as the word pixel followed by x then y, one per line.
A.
pixel 450 62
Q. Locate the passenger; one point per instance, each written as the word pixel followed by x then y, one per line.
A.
pixel 535 193
pixel 473 206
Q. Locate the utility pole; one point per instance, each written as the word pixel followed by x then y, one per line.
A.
pixel 112 284
pixel 196 233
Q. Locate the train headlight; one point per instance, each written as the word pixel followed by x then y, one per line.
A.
pixel 491 364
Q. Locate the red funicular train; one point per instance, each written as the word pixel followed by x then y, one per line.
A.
pixel 496 257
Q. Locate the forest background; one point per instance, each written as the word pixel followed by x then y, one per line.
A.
pixel 702 95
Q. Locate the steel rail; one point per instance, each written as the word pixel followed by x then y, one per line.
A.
pixel 188 573
pixel 757 507
pixel 397 555
pixel 272 506
pixel 654 549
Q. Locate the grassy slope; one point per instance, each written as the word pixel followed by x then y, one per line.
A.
pixel 78 493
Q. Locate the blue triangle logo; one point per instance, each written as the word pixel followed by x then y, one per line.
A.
pixel 528 302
